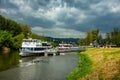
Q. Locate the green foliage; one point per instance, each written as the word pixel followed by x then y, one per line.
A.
pixel 115 36
pixel 43 38
pixel 10 25
pixel 6 39
pixel 84 67
pixel 18 40
pixel 82 42
pixel 35 36
pixel 91 36
pixel 12 33
pixel 53 44
pixel 25 29
pixel 95 34
pixel 108 38
pixel 100 39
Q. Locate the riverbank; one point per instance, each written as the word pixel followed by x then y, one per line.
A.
pixel 9 60
pixel 97 64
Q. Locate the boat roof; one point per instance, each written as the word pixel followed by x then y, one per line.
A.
pixel 32 40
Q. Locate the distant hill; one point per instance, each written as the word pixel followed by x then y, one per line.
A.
pixel 74 40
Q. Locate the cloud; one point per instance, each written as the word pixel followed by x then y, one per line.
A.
pixel 76 15
pixel 58 32
pixel 7 11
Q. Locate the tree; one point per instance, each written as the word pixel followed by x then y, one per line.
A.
pixel 81 42
pixel 18 40
pixel 115 36
pixel 25 29
pixel 36 36
pixel 53 44
pixel 100 39
pixel 108 38
pixel 10 25
pixel 95 34
pixel 89 38
pixel 6 40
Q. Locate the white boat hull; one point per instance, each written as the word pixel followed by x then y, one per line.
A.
pixel 30 53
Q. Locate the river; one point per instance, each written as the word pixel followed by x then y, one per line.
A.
pixel 38 68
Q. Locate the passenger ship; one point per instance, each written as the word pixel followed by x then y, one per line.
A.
pixel 31 47
pixel 67 47
pixel 64 46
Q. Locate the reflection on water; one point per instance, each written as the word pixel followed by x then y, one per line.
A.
pixel 8 60
pixel 42 68
pixel 28 61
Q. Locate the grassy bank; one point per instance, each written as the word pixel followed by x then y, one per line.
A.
pixel 84 67
pixel 98 64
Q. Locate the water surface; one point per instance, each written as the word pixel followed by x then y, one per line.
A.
pixel 42 68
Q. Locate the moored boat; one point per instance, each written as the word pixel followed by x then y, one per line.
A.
pixel 64 47
pixel 33 47
pixel 67 47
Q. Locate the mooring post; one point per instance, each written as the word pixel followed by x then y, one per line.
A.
pixel 45 54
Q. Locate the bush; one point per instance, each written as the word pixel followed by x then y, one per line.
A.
pixel 6 40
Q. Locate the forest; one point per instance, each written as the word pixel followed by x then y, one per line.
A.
pixel 93 37
pixel 12 33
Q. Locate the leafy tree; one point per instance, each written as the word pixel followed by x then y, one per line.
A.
pixel 108 38
pixel 115 36
pixel 35 36
pixel 6 39
pixel 53 44
pixel 10 25
pixel 25 29
pixel 12 33
pixel 100 39
pixel 18 40
pixel 91 37
pixel 95 34
pixel 81 42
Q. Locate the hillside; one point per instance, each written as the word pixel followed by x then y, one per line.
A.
pixel 74 40
pixel 12 33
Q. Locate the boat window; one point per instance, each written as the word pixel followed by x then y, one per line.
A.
pixel 22 49
pixel 45 44
pixel 31 49
pixel 36 49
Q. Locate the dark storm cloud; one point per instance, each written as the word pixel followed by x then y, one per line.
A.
pixel 7 4
pixel 108 22
pixel 76 16
pixel 82 4
pixel 38 22
pixel 39 4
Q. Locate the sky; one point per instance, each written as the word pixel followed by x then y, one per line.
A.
pixel 64 18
